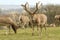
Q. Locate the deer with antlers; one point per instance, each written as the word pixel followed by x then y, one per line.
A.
pixel 39 19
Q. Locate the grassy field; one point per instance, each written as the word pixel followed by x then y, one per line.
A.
pixel 53 33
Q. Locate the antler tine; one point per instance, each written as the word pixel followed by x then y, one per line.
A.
pixel 24 5
pixel 36 7
pixel 25 8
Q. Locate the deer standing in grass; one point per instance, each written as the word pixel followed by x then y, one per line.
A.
pixel 24 20
pixel 57 19
pixel 6 20
pixel 39 19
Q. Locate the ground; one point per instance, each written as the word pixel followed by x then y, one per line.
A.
pixel 53 33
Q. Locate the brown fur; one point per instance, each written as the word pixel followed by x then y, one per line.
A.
pixel 8 20
pixel 40 19
pixel 57 17
pixel 24 20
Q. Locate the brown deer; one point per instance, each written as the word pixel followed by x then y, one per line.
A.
pixel 6 20
pixel 24 20
pixel 39 19
pixel 57 20
pixel 57 17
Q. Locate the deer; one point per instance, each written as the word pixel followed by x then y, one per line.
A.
pixel 7 21
pixel 39 19
pixel 57 19
pixel 24 20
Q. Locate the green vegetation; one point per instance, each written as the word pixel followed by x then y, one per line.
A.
pixel 53 33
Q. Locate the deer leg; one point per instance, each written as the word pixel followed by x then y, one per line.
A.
pixel 45 27
pixel 6 31
pixel 9 29
pixel 40 31
pixel 37 28
pixel 41 26
pixel 45 30
pixel 31 24
pixel 25 28
pixel 32 30
pixel 46 33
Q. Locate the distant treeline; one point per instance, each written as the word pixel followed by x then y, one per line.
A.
pixel 50 10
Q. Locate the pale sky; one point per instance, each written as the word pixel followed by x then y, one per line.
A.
pixel 31 2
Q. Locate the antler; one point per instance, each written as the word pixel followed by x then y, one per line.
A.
pixel 25 7
pixel 37 7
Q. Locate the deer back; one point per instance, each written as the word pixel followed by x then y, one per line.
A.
pixel 40 18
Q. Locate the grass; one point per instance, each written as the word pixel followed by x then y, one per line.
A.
pixel 53 33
